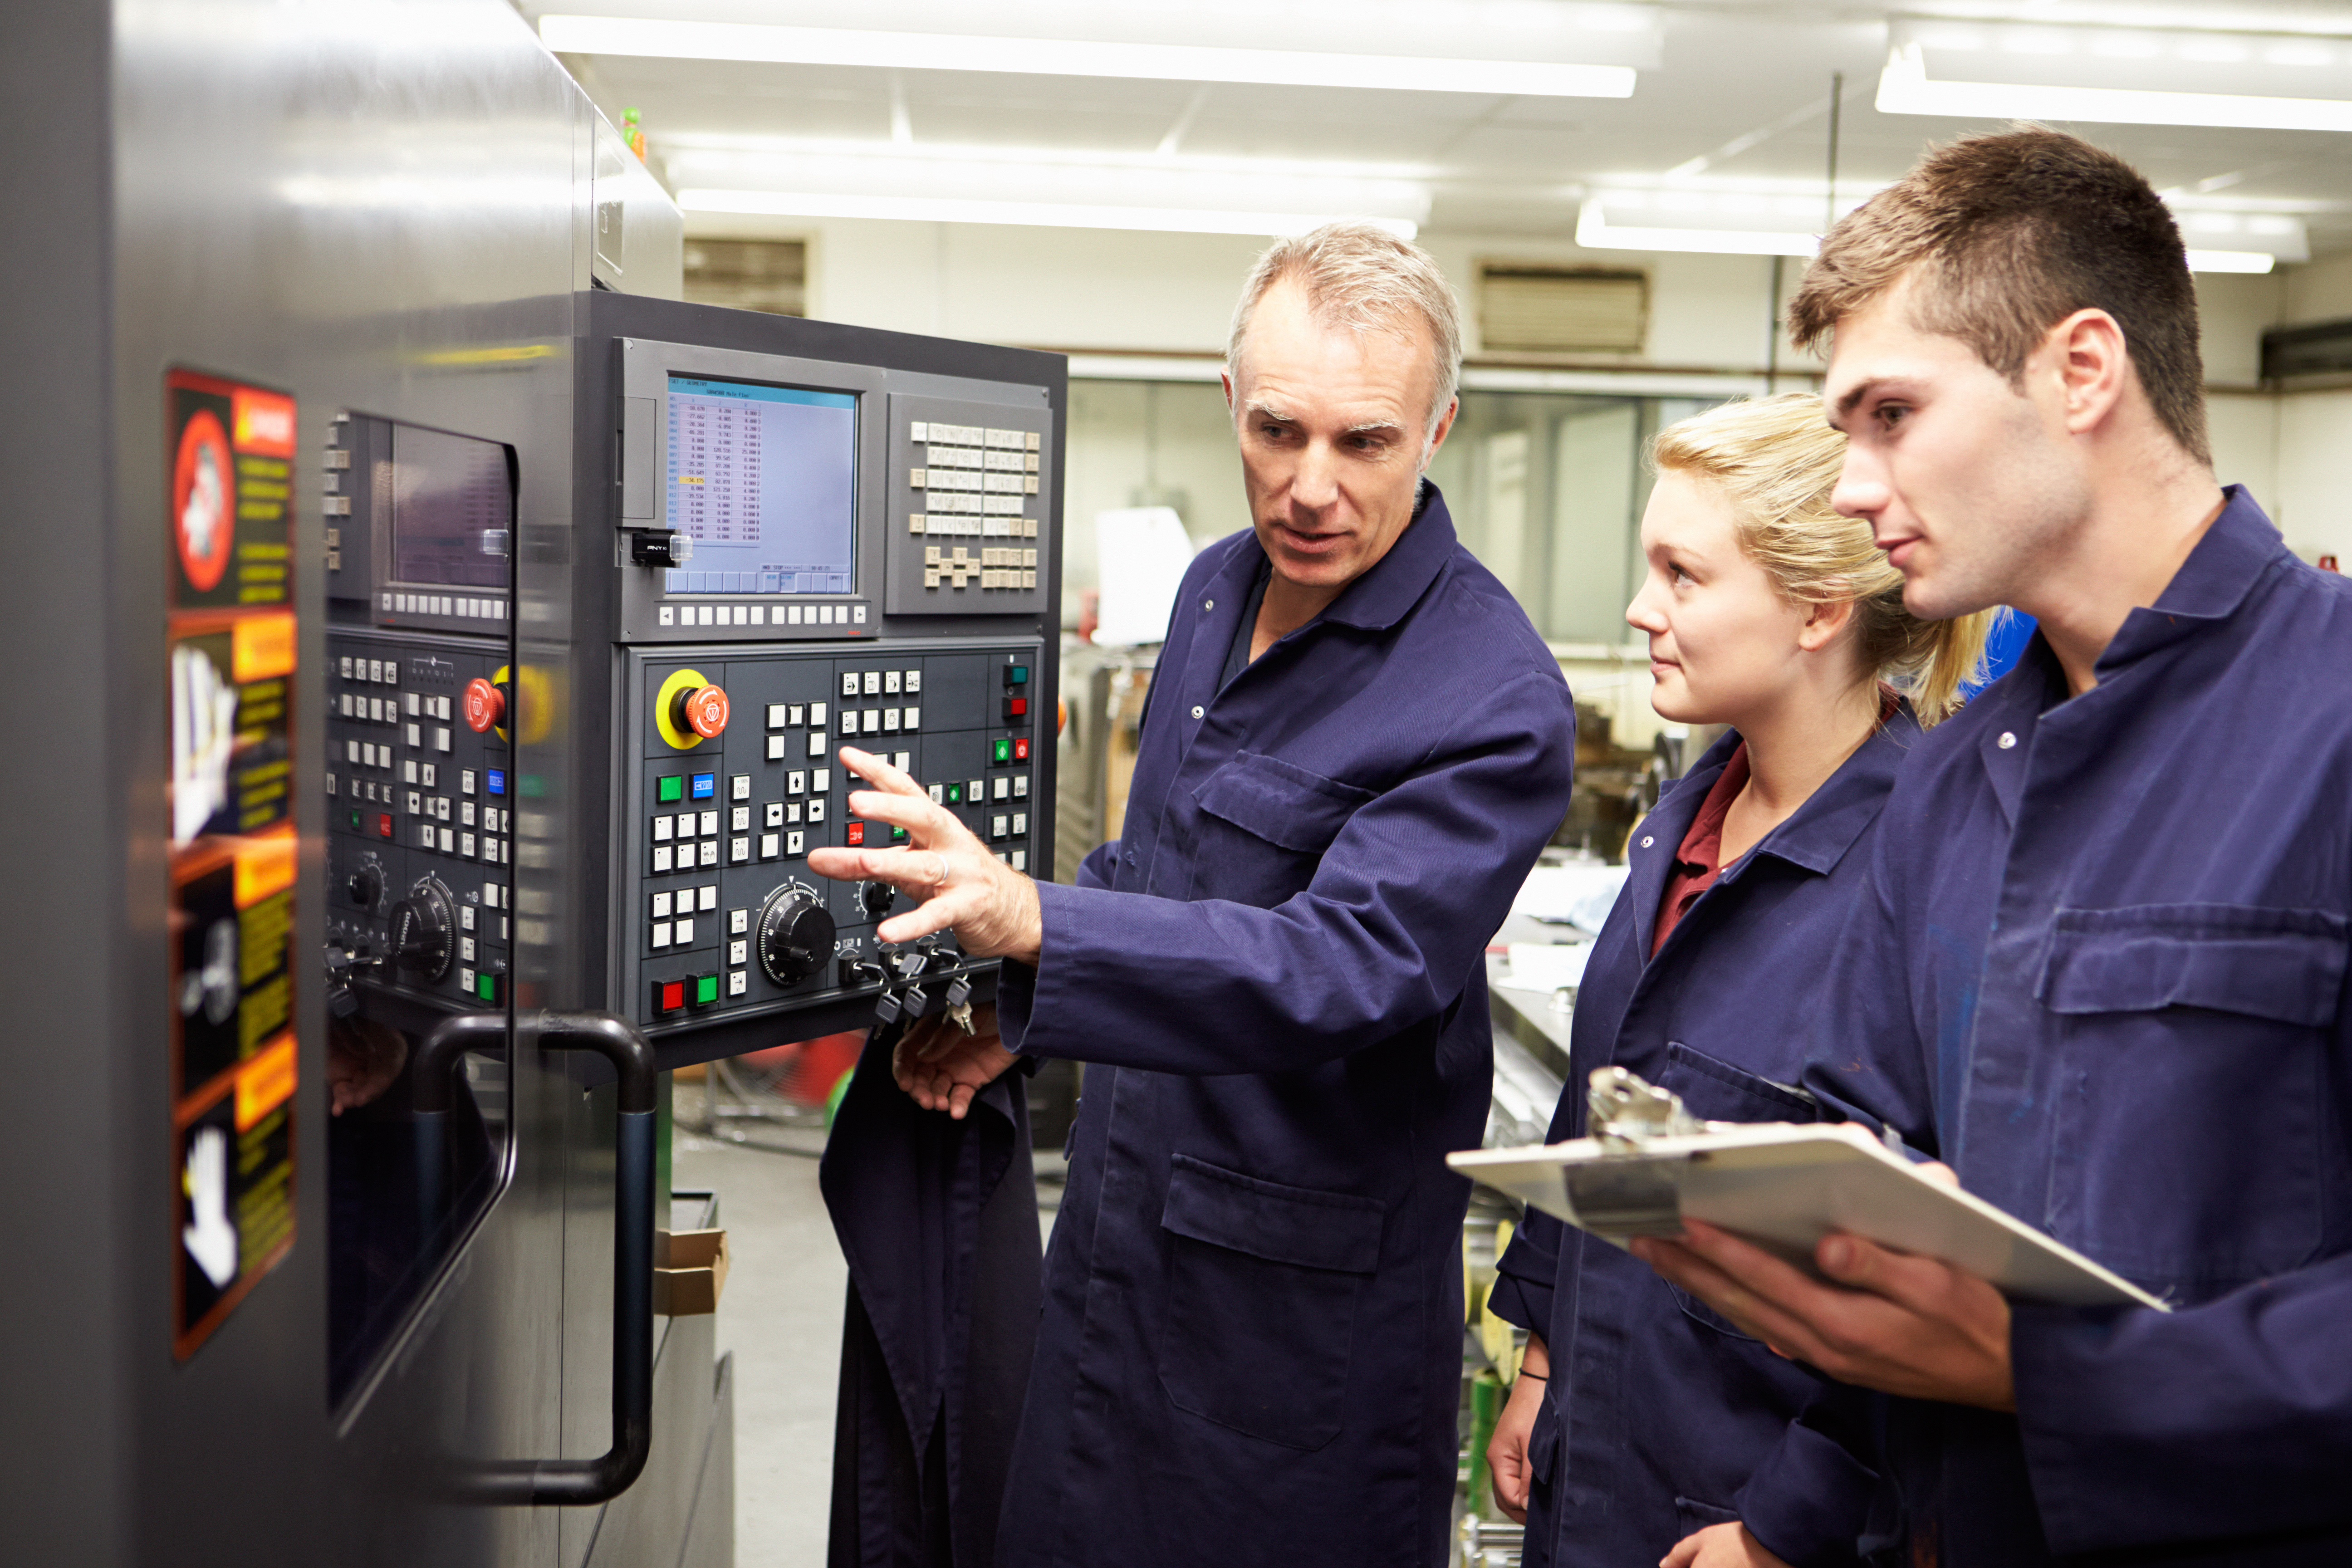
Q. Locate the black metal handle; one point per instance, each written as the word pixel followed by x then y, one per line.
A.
pixel 574 1482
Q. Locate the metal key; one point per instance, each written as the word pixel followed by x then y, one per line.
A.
pixel 962 1013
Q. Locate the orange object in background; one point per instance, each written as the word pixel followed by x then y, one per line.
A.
pixel 810 1068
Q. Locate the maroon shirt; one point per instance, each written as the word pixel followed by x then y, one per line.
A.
pixel 1699 860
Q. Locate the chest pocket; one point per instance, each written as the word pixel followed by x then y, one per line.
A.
pixel 1265 826
pixel 2219 1012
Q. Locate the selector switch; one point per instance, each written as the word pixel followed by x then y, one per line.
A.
pixel 423 932
pixel 876 899
pixel 796 933
pixel 365 885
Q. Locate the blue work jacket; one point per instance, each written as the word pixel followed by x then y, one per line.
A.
pixel 1657 1412
pixel 1251 1347
pixel 2101 972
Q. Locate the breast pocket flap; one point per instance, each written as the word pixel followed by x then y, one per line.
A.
pixel 1266 1219
pixel 2285 965
pixel 1280 802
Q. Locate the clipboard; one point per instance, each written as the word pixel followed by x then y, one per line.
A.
pixel 1783 1186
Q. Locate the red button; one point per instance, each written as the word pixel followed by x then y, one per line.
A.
pixel 703 711
pixel 1021 749
pixel 484 705
pixel 857 833
pixel 383 824
pixel 670 995
pixel 1014 706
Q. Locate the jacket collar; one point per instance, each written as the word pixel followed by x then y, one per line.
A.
pixel 2210 586
pixel 1814 838
pixel 1818 833
pixel 1381 596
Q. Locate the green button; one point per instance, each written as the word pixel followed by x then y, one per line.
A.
pixel 898 836
pixel 670 789
pixel 955 797
pixel 485 986
pixel 706 989
pixel 1004 751
pixel 352 819
pixel 1020 674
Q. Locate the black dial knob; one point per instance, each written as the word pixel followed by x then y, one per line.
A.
pixel 795 935
pixel 423 941
pixel 365 885
pixel 876 899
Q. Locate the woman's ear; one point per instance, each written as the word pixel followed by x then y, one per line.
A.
pixel 1825 624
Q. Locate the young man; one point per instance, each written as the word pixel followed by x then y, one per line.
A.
pixel 1356 745
pixel 2101 971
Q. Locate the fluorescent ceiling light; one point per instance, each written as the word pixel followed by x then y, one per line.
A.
pixel 1904 88
pixel 1076 56
pixel 1051 214
pixel 1594 231
pixel 2231 261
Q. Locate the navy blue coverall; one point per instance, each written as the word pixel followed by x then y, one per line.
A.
pixel 1657 1411
pixel 1250 1350
pixel 2101 972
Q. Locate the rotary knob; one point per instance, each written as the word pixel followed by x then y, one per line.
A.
pixel 876 899
pixel 423 938
pixel 364 886
pixel 795 934
pixel 700 709
pixel 484 705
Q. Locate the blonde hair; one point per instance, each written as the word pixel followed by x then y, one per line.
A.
pixel 1361 277
pixel 1777 460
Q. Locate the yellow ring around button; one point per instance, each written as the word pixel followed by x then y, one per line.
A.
pixel 680 680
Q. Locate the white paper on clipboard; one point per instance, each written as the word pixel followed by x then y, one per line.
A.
pixel 1785 1185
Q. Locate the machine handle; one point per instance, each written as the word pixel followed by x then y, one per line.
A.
pixel 574 1482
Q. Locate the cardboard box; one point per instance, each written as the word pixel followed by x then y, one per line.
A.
pixel 690 1271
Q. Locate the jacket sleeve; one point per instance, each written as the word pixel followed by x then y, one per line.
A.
pixel 2230 1417
pixel 1524 1274
pixel 1383 939
pixel 1098 868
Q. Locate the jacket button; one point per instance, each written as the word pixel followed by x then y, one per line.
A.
pixel 2007 739
pixel 1647 841
pixel 1198 712
pixel 1208 604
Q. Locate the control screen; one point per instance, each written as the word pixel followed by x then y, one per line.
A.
pixel 449 510
pixel 764 479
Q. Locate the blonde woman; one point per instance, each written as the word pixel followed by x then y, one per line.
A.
pixel 1643 1426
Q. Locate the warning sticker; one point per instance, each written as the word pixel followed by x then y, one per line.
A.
pixel 230 643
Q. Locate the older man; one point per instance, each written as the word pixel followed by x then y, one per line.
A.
pixel 1356 744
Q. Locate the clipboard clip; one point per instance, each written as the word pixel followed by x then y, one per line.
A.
pixel 1624 1112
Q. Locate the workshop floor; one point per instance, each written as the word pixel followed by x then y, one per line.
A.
pixel 781 1317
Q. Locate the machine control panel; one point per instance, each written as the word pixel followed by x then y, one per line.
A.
pixel 420 816
pixel 420 788
pixel 737 778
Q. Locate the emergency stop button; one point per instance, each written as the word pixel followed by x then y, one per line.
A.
pixel 484 705
pixel 702 709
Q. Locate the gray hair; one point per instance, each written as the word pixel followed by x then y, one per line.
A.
pixel 1361 277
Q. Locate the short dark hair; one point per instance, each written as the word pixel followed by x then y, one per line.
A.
pixel 2011 234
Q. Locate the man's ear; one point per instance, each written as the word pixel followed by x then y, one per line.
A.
pixel 1445 427
pixel 2087 353
pixel 1226 377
